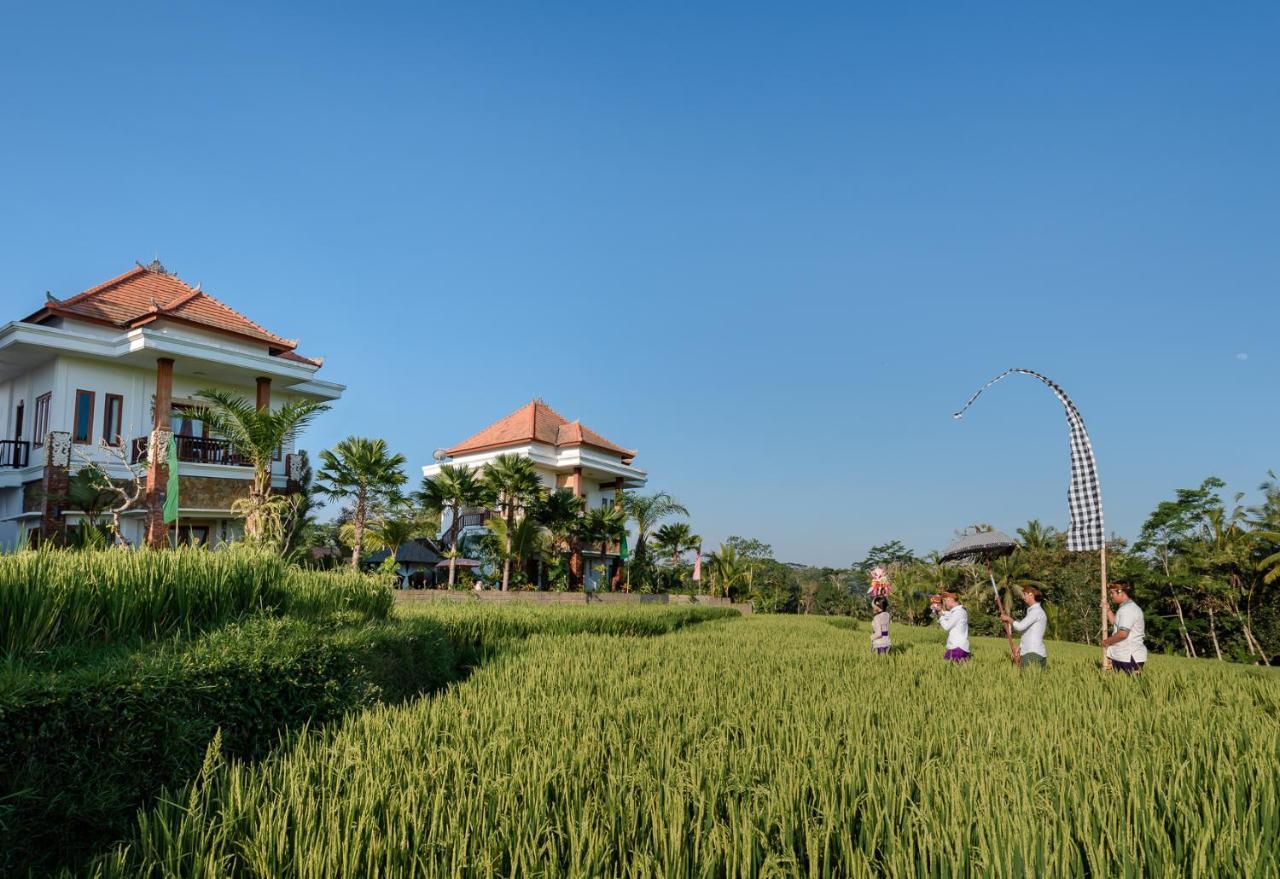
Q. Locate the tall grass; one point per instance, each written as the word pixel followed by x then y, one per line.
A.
pixel 757 747
pixel 481 629
pixel 52 598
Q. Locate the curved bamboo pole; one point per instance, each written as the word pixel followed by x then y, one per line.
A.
pixel 1008 630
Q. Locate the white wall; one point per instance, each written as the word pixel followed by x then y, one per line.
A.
pixel 138 387
pixel 26 387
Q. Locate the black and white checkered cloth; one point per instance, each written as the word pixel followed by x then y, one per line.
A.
pixel 1084 496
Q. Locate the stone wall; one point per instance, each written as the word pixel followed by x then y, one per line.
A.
pixel 211 492
pixel 410 596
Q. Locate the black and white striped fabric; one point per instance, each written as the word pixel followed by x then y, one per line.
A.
pixel 1084 496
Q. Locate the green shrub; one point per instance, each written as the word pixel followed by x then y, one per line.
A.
pixel 81 751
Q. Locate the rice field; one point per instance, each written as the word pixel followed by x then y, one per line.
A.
pixel 51 599
pixel 756 746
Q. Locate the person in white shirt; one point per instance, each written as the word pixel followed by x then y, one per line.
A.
pixel 954 620
pixel 1032 626
pixel 880 627
pixel 1125 645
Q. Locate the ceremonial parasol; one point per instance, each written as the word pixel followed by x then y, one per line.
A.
pixel 986 545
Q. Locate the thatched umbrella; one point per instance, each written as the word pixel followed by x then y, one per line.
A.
pixel 986 546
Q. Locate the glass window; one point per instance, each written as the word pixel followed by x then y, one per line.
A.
pixel 185 423
pixel 83 420
pixel 41 426
pixel 112 413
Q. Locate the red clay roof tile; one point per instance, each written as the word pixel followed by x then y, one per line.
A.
pixel 536 422
pixel 147 293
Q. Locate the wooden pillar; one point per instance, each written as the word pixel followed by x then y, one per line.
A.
pixel 158 456
pixel 576 482
pixel 264 393
pixel 164 392
pixel 619 566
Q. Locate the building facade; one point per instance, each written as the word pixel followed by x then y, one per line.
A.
pixel 566 454
pixel 113 372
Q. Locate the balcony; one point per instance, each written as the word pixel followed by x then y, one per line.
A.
pixel 473 519
pixel 196 450
pixel 14 453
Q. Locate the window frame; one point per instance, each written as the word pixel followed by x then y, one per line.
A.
pixel 75 418
pixel 40 425
pixel 118 400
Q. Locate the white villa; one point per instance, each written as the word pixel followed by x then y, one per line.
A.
pixel 120 364
pixel 566 454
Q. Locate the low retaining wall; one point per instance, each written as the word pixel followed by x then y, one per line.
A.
pixel 409 596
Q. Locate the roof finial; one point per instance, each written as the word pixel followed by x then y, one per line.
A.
pixel 49 298
pixel 155 266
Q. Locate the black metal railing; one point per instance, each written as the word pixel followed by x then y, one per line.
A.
pixel 14 453
pixel 473 518
pixel 197 450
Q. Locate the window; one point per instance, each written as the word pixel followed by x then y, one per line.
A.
pixel 112 414
pixel 185 422
pixel 82 421
pixel 189 535
pixel 41 427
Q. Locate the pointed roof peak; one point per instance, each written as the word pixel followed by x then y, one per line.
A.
pixel 147 293
pixel 542 424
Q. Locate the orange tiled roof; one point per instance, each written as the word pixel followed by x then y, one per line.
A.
pixel 148 293
pixel 537 422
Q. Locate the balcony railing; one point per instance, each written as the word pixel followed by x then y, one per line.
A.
pixel 197 450
pixel 14 453
pixel 473 518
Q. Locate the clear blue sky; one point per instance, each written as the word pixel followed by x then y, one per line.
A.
pixel 772 247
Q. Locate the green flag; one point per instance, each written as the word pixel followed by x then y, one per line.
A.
pixel 171 490
pixel 622 547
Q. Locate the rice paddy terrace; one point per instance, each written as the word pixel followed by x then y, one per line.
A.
pixel 611 742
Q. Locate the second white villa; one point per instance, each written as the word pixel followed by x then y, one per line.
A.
pixel 566 454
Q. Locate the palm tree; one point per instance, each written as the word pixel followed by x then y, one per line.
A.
pixel 1036 536
pixel 676 538
pixel 602 525
pixel 1270 565
pixel 452 490
pixel 392 532
pixel 647 510
pixel 514 482
pixel 1228 553
pixel 559 512
pixel 728 569
pixel 255 434
pixel 525 540
pixel 364 470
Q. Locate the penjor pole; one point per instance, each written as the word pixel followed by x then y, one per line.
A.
pixel 1084 495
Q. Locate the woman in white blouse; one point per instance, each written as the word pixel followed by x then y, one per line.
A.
pixel 954 620
pixel 1032 626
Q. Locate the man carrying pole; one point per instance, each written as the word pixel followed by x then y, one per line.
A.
pixel 1126 645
